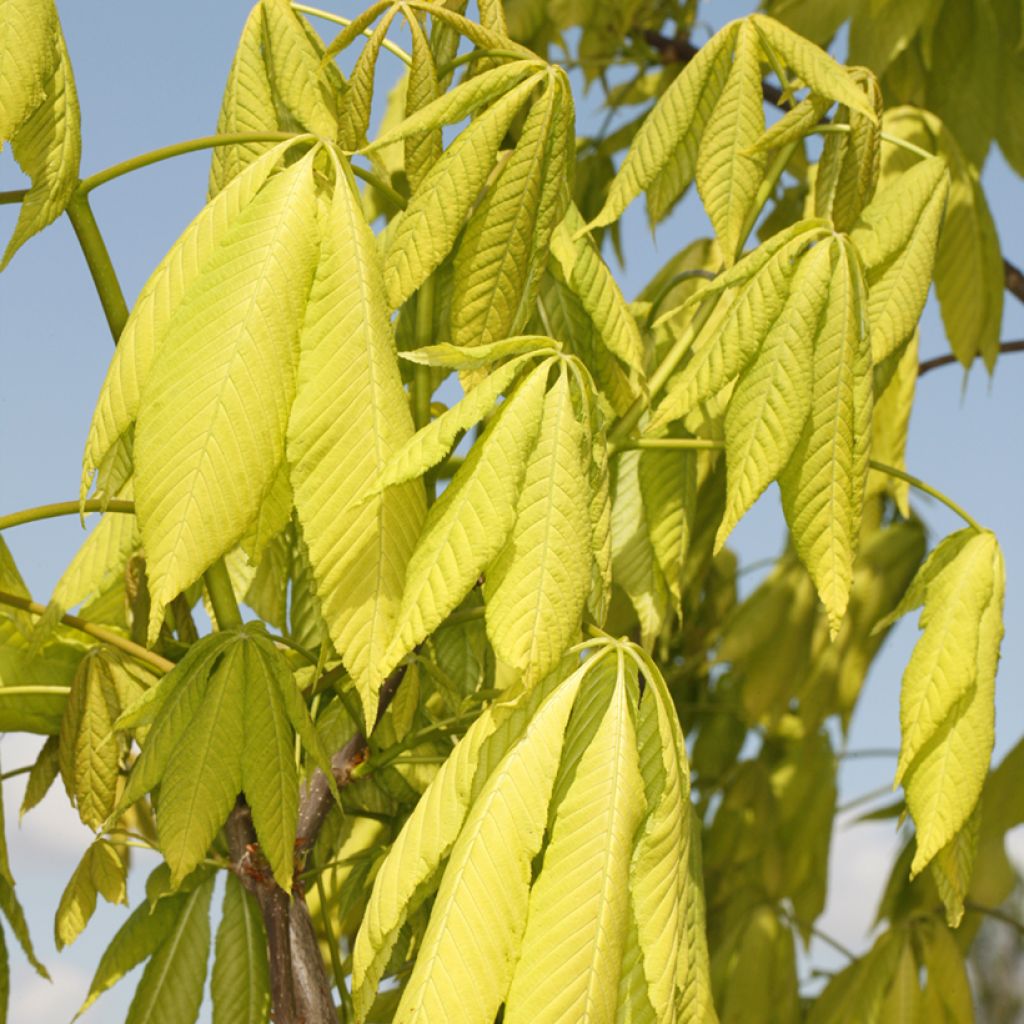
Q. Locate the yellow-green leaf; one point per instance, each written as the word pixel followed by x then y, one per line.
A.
pixel 27 29
pixel 241 984
pixel 99 561
pixel 101 870
pixel 214 408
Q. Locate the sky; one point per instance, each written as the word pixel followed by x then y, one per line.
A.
pixel 151 74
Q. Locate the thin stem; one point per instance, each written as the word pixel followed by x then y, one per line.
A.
pixel 914 481
pixel 64 508
pixel 765 190
pixel 473 55
pixel 864 798
pixel 108 288
pixel 155 156
pixel 910 147
pixel 108 636
pixel 285 641
pixel 677 443
pixel 382 186
pixel 995 913
pixel 12 196
pixel 222 596
pixel 15 772
pixel 332 943
pixel 675 279
pixel 337 19
pixel 33 691
pixel 834 943
pixel 883 752
pixel 926 365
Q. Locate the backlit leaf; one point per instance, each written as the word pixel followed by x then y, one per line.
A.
pixel 27 31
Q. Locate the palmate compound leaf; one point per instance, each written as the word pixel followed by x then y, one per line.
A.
pixel 772 398
pixel 241 985
pixel 468 525
pixel 349 418
pixel 423 234
pixel 824 482
pixel 505 246
pixel 538 585
pixel 947 699
pixel 156 308
pixel 213 411
pixel 896 240
pixel 48 144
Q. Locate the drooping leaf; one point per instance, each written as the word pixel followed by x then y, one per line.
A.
pixel 538 585
pixel 44 771
pixel 102 870
pixel 214 408
pixel 890 422
pixel 349 418
pixel 241 986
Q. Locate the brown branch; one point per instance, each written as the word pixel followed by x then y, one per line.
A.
pixel 679 50
pixel 945 360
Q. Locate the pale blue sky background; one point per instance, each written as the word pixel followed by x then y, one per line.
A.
pixel 149 74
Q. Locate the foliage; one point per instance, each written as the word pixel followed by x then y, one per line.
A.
pixel 447 757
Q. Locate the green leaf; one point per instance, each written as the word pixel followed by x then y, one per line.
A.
pixel 953 866
pixel 772 398
pixel 423 234
pixel 203 775
pixel 729 169
pixel 42 776
pixel 946 704
pixel 504 248
pixel 356 106
pixel 155 308
pixel 577 922
pixel 468 525
pixel 421 150
pixel 349 418
pixel 479 914
pixel 896 240
pixel 307 88
pixel 100 561
pixel 214 408
pixel 15 915
pixel 27 32
pixel 671 132
pixel 171 988
pixel 47 146
pixel 102 870
pixel 890 422
pixel 248 106
pixel 823 483
pixel 474 357
pixel 241 983
pixel 538 585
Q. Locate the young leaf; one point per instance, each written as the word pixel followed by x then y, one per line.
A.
pixel 576 928
pixel 27 32
pixel 474 357
pixel 241 986
pixel 772 398
pixel 102 870
pixel 422 150
pixel 538 585
pixel 471 520
pixel 729 170
pixel 214 408
pixel 358 101
pixel 48 148
pixel 823 483
pixel 171 988
pixel 425 231
pixel 248 106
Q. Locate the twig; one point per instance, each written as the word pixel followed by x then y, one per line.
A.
pixel 932 364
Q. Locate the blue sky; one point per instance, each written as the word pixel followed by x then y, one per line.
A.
pixel 151 74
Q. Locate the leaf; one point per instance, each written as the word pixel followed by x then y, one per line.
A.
pixel 495 272
pixel 100 561
pixel 670 133
pixel 953 866
pixel 349 418
pixel 823 483
pixel 946 705
pixel 15 915
pixel 103 870
pixel 424 233
pixel 241 983
pixel 578 915
pixel 356 107
pixel 204 773
pixel 307 87
pixel 154 310
pixel 479 914
pixel 729 170
pixel 47 146
pixel 171 988
pixel 896 240
pixel 247 106
pixel 27 32
pixel 214 408
pixel 474 357
pixel 538 585
pixel 468 525
pixel 421 151
pixel 589 278
pixel 890 423
pixel 428 446
pixel 41 777
pixel 772 398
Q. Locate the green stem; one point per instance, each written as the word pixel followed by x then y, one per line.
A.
pixel 108 636
pixel 381 186
pixel 222 596
pixel 996 914
pixel 337 19
pixel 893 140
pixel 15 772
pixel 765 190
pixel 64 508
pixel 914 481
pixel 332 944
pixel 671 443
pixel 12 196
pixel 473 55
pixel 179 149
pixel 421 385
pixel 33 691
pixel 108 288
pixel 675 279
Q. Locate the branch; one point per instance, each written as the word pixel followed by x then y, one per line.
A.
pixel 64 508
pixel 932 364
